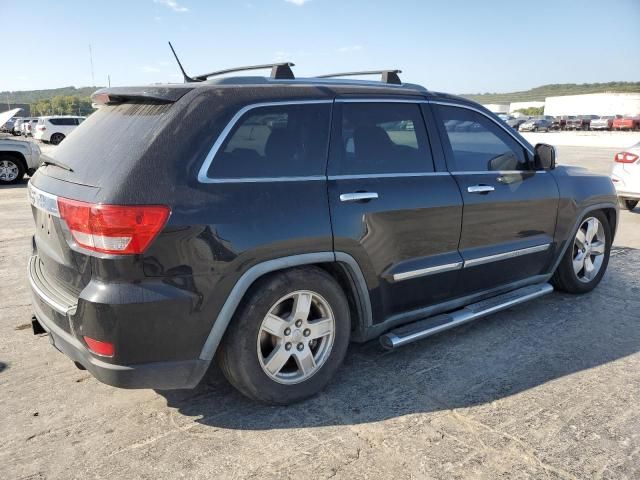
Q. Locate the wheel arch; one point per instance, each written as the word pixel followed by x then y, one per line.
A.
pixel 340 266
pixel 17 156
pixel 611 212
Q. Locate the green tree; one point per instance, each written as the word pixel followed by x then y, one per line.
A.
pixel 531 111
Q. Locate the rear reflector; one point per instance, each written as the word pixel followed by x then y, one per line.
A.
pixel 116 229
pixel 101 348
pixel 625 157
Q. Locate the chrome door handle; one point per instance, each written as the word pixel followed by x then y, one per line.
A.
pixel 480 189
pixel 358 196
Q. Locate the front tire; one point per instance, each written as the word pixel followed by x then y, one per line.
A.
pixel 11 170
pixel 587 257
pixel 288 337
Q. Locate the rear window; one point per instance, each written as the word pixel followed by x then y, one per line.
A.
pixel 275 141
pixel 63 121
pixel 111 138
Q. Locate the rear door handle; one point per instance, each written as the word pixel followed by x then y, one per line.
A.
pixel 358 196
pixel 480 189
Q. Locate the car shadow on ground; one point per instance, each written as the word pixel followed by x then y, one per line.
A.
pixel 493 358
pixel 21 184
pixel 3 367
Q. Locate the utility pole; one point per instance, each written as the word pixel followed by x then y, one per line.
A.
pixel 109 80
pixel 93 82
pixel 8 104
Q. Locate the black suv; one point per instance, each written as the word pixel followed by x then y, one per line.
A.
pixel 268 222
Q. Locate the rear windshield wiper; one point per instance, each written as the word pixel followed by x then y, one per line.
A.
pixel 58 164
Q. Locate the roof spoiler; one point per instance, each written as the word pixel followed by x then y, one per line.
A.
pixel 151 94
pixel 279 71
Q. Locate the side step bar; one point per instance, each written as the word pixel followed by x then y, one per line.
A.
pixel 430 326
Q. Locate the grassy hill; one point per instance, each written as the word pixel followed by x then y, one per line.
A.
pixel 554 90
pixel 33 96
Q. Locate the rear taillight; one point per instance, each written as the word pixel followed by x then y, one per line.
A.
pixel 117 229
pixel 101 348
pixel 626 157
pixel 42 128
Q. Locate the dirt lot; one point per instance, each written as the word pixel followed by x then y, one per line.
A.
pixel 546 390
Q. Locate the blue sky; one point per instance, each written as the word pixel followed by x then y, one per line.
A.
pixel 455 46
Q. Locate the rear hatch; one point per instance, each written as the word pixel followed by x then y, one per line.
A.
pixel 96 155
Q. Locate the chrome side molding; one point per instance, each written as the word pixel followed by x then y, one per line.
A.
pixel 503 256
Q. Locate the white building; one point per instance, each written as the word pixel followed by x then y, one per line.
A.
pixel 593 104
pixel 497 107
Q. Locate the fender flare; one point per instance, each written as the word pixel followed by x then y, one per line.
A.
pixel 250 276
pixel 583 212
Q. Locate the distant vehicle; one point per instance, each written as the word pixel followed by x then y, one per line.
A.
pixel 515 122
pixel 536 125
pixel 504 117
pixel 17 126
pixel 582 122
pixel 604 122
pixel 7 127
pixel 628 122
pixel 626 176
pixel 560 122
pixel 16 156
pixel 54 129
pixel 28 125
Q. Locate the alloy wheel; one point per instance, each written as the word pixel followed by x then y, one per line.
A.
pixel 588 249
pixel 9 171
pixel 296 337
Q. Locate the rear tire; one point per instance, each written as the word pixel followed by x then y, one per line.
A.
pixel 56 138
pixel 587 256
pixel 288 337
pixel 11 170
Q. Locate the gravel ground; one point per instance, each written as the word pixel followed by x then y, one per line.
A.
pixel 546 390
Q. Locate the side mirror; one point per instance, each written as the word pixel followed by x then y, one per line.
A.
pixel 545 157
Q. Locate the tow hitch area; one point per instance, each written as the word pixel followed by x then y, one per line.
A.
pixel 37 328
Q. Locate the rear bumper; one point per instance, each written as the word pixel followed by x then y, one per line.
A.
pixel 51 311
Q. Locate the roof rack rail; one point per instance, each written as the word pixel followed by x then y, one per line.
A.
pixel 388 76
pixel 280 71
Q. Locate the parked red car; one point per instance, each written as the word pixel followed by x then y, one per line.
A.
pixel 627 123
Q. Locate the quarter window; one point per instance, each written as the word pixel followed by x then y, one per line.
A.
pixel 381 138
pixel 275 141
pixel 478 143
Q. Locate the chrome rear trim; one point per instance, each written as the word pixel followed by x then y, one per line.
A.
pixel 43 200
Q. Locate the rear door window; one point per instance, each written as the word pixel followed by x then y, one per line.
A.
pixel 381 138
pixel 288 140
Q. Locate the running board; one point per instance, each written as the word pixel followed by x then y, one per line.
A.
pixel 430 326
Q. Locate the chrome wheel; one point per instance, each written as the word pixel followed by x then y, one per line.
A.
pixel 588 249
pixel 9 171
pixel 296 337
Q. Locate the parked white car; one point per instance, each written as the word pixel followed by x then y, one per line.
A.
pixel 55 129
pixel 17 157
pixel 626 176
pixel 28 126
pixel 17 126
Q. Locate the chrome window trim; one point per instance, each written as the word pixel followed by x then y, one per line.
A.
pixel 477 110
pixel 44 201
pixel 202 174
pixel 506 255
pixel 386 175
pixel 497 172
pixel 421 272
pixel 417 100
